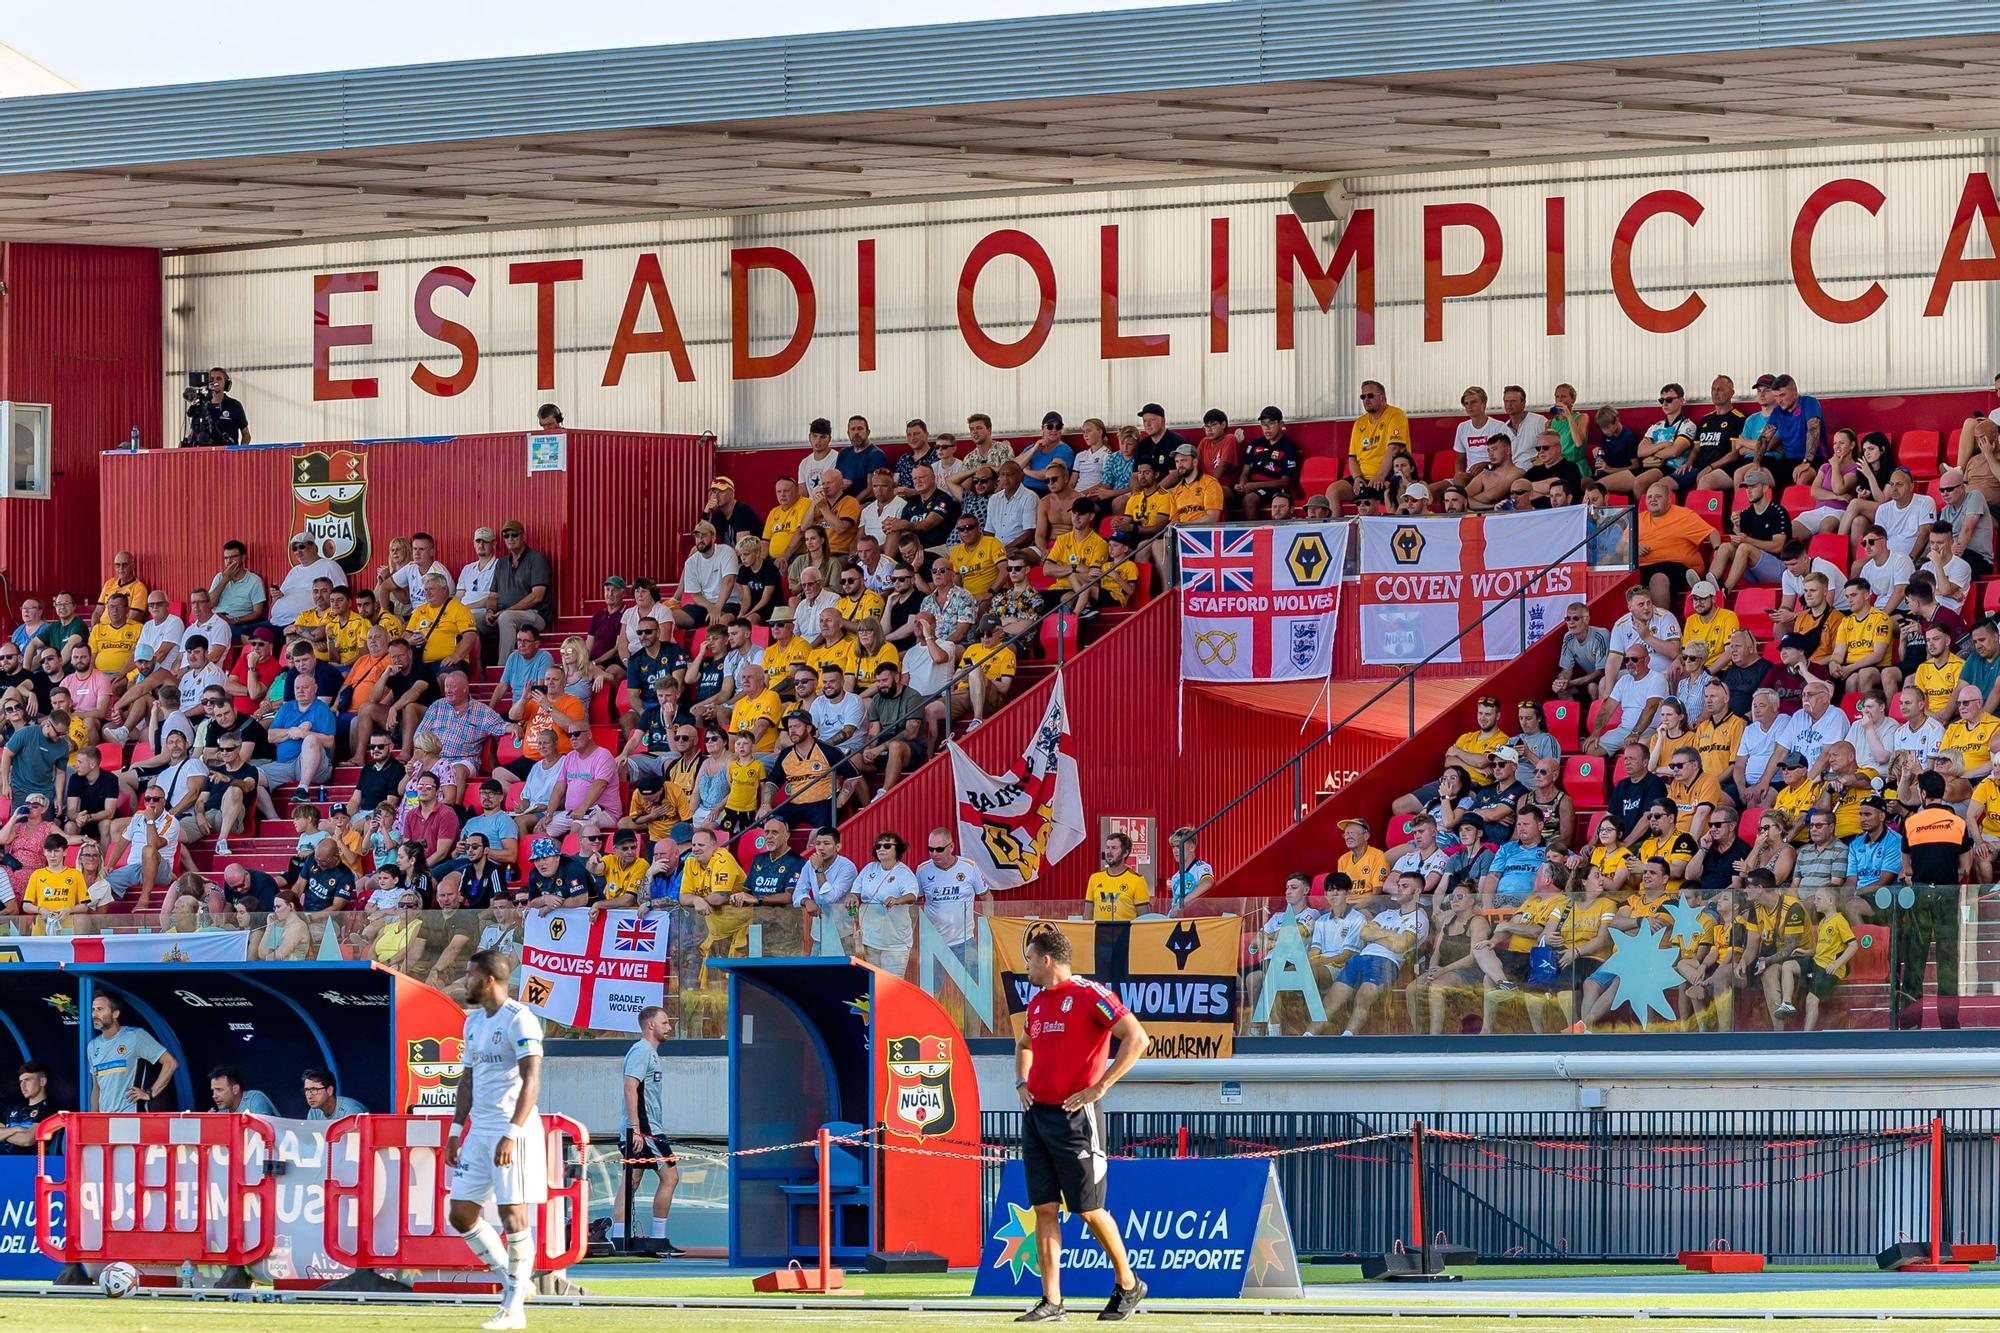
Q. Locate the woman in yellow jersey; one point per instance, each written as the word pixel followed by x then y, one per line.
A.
pixel 871 650
pixel 1586 941
pixel 1456 930
pixel 1610 857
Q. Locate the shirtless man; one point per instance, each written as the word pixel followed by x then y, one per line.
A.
pixel 1486 482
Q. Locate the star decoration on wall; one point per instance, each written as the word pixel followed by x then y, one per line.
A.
pixel 1687 927
pixel 1644 966
pixel 1018 1253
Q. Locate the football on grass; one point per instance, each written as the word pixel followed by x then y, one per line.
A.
pixel 117 1279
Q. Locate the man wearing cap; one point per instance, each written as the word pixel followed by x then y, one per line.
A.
pixel 1197 498
pixel 475 580
pixel 1709 626
pixel 524 587
pixel 1269 465
pixel 556 880
pixel 730 515
pixel 1364 865
pixel 1048 449
pixel 1415 500
pixel 1157 445
pixel 1317 509
pixel 295 590
pixel 708 576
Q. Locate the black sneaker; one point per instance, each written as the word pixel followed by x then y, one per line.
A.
pixel 668 1250
pixel 1125 1300
pixel 1043 1313
pixel 600 1231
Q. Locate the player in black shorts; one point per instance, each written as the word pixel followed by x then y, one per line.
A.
pixel 1060 1071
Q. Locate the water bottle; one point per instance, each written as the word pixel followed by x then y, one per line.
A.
pixel 186 1277
pixel 135 439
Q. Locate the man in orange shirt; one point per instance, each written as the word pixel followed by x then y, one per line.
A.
pixel 543 712
pixel 1670 540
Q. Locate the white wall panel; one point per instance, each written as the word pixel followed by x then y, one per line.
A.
pixel 252 310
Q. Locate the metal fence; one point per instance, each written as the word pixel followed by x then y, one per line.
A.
pixel 1797 1186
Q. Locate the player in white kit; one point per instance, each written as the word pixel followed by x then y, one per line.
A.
pixel 497 1151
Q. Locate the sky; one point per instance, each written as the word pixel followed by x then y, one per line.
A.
pixel 130 43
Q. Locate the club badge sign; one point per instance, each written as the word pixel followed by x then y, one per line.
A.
pixel 330 504
pixel 1193 1227
pixel 918 1101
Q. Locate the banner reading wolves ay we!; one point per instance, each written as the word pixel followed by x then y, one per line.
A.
pixel 1425 579
pixel 1179 977
pixel 1258 603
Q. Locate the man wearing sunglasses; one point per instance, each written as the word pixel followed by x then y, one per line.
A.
pixel 144 848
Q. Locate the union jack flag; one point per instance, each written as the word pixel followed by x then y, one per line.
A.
pixel 636 936
pixel 1216 560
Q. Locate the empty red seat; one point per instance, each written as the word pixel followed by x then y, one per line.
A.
pixel 1709 504
pixel 1441 465
pixel 1746 826
pixel 1317 473
pixel 1918 451
pixel 1564 719
pixel 1059 636
pixel 1583 779
pixel 1753 607
pixel 1797 500
pixel 1832 547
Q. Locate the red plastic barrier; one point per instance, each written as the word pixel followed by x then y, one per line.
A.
pixel 405 1154
pixel 157 1188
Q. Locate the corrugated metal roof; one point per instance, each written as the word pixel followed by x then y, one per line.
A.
pixel 1124 53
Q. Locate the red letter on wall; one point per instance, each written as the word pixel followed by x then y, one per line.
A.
pixel 1111 344
pixel 649 286
pixel 1438 284
pixel 1652 318
pixel 742 365
pixel 543 276
pixel 1218 284
pixel 1555 265
pixel 327 335
pixel 1832 309
pixel 446 331
pixel 1953 266
pixel 864 304
pixel 1356 250
pixel 1007 356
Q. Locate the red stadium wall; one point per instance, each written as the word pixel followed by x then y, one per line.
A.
pixel 1122 709
pixel 624 505
pixel 1313 843
pixel 79 331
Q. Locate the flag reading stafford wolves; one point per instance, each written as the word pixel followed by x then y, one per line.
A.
pixel 1259 603
pixel 1425 579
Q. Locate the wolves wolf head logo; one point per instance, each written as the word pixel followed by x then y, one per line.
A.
pixel 1182 943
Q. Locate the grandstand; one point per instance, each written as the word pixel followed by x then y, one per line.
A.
pixel 714 516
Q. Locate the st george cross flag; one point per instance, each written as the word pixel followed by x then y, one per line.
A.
pixel 1012 825
pixel 203 946
pixel 1259 603
pixel 593 974
pixel 1425 579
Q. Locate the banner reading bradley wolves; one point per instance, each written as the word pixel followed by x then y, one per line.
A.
pixel 1179 977
pixel 593 969
pixel 1012 825
pixel 1425 579
pixel 1258 603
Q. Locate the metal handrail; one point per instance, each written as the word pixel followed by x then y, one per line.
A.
pixel 1625 514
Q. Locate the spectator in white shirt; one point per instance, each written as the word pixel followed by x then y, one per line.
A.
pixel 1643 624
pixel 838 714
pixel 1818 723
pixel 1905 515
pixel 810 600
pixel 1527 427
pixel 822 459
pixel 295 592
pixel 708 576
pixel 1766 735
pixel 1471 435
pixel 882 503
pixel 1971 520
pixel 475 581
pixel 1951 574
pixel 1010 512
pixel 1886 571
pixel 1632 701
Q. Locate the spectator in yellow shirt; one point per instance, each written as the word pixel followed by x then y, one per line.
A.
pixel 1197 498
pixel 1117 893
pixel 123 580
pixel 1365 866
pixel 1121 574
pixel 1834 947
pixel 56 893
pixel 976 556
pixel 1708 623
pixel 440 628
pixel 787 516
pixel 1380 433
pixel 993 669
pixel 1861 642
pixel 1075 557
pixel 113 638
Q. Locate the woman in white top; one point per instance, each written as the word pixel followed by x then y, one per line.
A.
pixel 1873 734
pixel 1087 464
pixel 886 890
pixel 646 605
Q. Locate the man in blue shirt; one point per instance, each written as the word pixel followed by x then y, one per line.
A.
pixel 225 1087
pixel 859 458
pixel 1875 856
pixel 495 823
pixel 1800 422
pixel 322 1101
pixel 303 733
pixel 1036 459
pixel 642 1138
pixel 526 665
pixel 1511 877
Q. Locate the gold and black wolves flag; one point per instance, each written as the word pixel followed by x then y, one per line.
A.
pixel 1179 977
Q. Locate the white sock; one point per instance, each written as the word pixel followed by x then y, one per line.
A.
pixel 485 1243
pixel 659 1228
pixel 618 1231
pixel 521 1262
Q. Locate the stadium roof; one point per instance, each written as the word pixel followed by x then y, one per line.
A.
pixel 1250 89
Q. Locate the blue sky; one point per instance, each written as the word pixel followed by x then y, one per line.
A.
pixel 126 43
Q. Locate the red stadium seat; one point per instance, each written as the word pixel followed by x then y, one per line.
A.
pixel 1918 451
pixel 1746 826
pixel 1613 498
pixel 1832 547
pixel 1441 465
pixel 1797 500
pixel 1317 473
pixel 1709 505
pixel 1142 591
pixel 1591 820
pixel 1871 960
pixel 1989 596
pixel 110 752
pixel 1059 636
pixel 1583 779
pixel 621 698
pixel 1851 705
pixel 1619 770
pixel 1564 719
pixel 1753 608
pixel 1739 500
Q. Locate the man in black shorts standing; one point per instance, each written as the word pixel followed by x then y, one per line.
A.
pixel 1059 1070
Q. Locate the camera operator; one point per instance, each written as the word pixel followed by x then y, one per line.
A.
pixel 214 418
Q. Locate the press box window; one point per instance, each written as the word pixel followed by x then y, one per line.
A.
pixel 25 428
